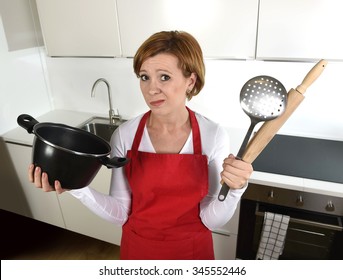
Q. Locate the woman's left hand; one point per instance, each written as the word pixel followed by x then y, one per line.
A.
pixel 236 172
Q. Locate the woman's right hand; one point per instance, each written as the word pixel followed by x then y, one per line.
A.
pixel 40 179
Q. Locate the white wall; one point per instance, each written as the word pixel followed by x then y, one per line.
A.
pixel 23 84
pixel 319 115
pixel 72 79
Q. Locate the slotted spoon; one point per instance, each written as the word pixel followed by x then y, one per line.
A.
pixel 262 98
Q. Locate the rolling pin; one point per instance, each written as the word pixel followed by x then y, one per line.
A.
pixel 267 131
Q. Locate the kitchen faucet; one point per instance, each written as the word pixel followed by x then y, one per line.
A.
pixel 112 115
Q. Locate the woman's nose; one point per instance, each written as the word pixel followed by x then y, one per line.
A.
pixel 154 87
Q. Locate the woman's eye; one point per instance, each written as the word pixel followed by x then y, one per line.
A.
pixel 144 77
pixel 165 77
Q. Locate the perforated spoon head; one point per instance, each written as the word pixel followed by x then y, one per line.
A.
pixel 263 98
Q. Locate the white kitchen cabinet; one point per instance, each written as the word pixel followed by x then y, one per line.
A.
pixel 225 238
pixel 21 25
pixel 224 246
pixel 80 219
pixel 12 197
pixel 300 30
pixel 79 27
pixel 41 206
pixel 224 28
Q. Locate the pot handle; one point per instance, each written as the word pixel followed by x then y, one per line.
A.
pixel 27 122
pixel 114 162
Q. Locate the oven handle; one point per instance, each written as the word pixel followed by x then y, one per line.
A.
pixel 338 227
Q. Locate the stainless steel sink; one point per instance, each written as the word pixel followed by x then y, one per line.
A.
pixel 101 127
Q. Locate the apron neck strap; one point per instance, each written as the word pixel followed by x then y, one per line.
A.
pixel 195 132
pixel 194 125
pixel 139 132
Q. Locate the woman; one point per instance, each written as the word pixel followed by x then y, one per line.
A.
pixel 166 197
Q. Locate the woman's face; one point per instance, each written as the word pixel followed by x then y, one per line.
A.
pixel 163 84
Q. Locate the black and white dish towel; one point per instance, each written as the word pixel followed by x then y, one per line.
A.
pixel 272 236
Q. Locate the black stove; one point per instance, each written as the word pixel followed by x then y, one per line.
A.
pixel 304 157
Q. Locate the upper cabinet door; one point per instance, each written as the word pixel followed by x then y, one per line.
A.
pixel 79 27
pixel 300 30
pixel 224 28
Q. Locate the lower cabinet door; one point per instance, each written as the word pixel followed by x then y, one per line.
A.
pixel 224 246
pixel 80 219
pixel 39 205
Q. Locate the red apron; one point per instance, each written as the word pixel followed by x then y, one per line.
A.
pixel 166 192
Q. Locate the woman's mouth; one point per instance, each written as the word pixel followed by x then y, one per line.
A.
pixel 157 103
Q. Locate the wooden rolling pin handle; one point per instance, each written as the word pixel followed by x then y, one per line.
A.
pixel 312 76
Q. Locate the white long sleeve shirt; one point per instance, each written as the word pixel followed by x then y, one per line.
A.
pixel 116 206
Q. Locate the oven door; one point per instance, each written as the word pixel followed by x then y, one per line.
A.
pixel 310 235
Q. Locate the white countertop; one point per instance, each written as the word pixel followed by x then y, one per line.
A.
pixel 21 136
pixel 297 184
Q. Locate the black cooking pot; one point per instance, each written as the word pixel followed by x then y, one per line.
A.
pixel 68 154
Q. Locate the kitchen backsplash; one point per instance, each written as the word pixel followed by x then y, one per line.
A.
pixel 35 83
pixel 319 115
